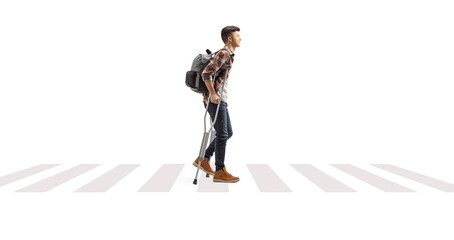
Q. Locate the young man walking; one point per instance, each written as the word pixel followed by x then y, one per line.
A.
pixel 214 75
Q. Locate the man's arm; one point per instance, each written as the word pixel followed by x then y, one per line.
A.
pixel 214 98
pixel 209 72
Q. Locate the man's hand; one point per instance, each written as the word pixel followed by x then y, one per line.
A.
pixel 214 98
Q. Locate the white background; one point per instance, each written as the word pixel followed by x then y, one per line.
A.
pixel 321 82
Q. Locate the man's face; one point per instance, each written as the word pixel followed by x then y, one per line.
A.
pixel 236 39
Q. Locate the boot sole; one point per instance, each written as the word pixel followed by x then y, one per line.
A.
pixel 203 169
pixel 224 181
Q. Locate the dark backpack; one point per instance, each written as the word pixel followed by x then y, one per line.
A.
pixel 194 77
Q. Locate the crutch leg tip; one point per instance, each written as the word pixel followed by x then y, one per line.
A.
pixel 195 182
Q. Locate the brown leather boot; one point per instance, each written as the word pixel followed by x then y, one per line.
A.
pixel 223 176
pixel 204 166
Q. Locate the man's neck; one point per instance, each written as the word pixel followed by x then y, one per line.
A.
pixel 231 48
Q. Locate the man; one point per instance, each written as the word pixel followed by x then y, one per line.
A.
pixel 220 67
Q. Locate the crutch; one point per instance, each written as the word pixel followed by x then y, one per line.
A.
pixel 208 136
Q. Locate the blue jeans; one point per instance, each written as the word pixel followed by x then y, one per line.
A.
pixel 224 131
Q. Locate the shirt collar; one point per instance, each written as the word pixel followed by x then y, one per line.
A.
pixel 228 49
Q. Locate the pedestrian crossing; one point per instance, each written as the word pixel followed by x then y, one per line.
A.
pixel 288 178
pixel 109 179
pixel 163 179
pixel 324 181
pixel 372 179
pixel 266 179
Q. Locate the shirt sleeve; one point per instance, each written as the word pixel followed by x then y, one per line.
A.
pixel 215 64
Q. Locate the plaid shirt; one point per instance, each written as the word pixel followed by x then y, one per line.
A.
pixel 220 66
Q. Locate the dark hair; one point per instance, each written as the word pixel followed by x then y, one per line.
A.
pixel 227 32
